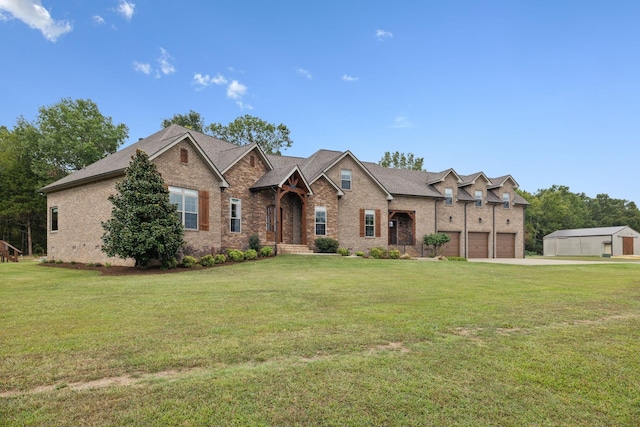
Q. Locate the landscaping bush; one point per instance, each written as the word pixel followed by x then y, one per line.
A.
pixel 378 252
pixel 167 264
pixel 250 254
pixel 254 242
pixel 266 251
pixel 220 259
pixel 344 251
pixel 360 253
pixel 235 255
pixel 207 261
pixel 456 258
pixel 326 245
pixel 189 261
pixel 394 254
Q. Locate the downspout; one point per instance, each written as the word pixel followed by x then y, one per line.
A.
pixel 435 210
pixel 524 233
pixel 466 255
pixel 493 233
pixel 276 221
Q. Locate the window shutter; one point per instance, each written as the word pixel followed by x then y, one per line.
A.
pixel 361 222
pixel 377 222
pixel 184 155
pixel 203 210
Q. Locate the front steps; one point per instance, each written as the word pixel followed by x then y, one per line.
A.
pixel 293 249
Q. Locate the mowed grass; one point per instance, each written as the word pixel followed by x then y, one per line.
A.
pixel 297 340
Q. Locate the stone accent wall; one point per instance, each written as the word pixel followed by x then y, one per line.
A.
pixel 364 194
pixel 241 177
pixel 324 194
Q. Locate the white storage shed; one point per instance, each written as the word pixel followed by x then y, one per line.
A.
pixel 600 241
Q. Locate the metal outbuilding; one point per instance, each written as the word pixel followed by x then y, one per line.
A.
pixel 600 241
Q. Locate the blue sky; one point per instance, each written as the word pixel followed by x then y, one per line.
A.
pixel 547 91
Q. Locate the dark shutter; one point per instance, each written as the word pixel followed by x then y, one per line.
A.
pixel 361 222
pixel 377 222
pixel 184 155
pixel 203 210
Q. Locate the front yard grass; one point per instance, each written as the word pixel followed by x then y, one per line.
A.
pixel 297 340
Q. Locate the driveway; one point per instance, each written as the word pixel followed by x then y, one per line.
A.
pixel 538 261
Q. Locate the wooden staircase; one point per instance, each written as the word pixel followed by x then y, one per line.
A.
pixel 293 249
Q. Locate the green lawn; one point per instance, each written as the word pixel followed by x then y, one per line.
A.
pixel 297 340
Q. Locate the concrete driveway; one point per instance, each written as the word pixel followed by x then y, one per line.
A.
pixel 539 261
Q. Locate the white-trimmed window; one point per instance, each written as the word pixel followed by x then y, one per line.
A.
pixel 478 198
pixel 54 218
pixel 369 223
pixel 321 221
pixel 506 200
pixel 345 179
pixel 235 215
pixel 187 204
pixel 448 196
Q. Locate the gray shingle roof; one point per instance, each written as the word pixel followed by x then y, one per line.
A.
pixel 404 182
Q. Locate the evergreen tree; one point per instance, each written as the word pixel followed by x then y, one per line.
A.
pixel 144 225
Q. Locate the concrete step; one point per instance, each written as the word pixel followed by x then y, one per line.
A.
pixel 293 249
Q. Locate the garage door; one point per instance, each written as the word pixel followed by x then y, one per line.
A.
pixel 506 245
pixel 452 247
pixel 478 245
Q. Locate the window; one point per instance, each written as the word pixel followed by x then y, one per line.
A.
pixel 236 215
pixel 321 221
pixel 271 218
pixel 448 196
pixel 54 218
pixel 345 177
pixel 187 203
pixel 506 200
pixel 184 155
pixel 369 223
pixel 478 198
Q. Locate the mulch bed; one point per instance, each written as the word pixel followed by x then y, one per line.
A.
pixel 117 270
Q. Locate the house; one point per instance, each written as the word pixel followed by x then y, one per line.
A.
pixel 226 193
pixel 601 241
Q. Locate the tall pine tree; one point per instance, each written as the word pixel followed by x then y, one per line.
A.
pixel 144 225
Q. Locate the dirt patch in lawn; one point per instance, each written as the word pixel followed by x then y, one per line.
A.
pixel 118 270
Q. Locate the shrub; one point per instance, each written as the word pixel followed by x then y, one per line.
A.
pixel 378 252
pixel 266 251
pixel 207 261
pixel 434 242
pixel 254 242
pixel 250 254
pixel 360 253
pixel 167 264
pixel 456 258
pixel 220 259
pixel 394 254
pixel 344 251
pixel 326 245
pixel 58 261
pixel 189 261
pixel 235 255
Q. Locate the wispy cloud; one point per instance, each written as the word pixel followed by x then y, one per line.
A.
pixel 165 62
pixel 304 72
pixel 32 13
pixel 382 35
pixel 235 89
pixel 142 68
pixel 126 9
pixel 401 122
pixel 347 78
pixel 98 20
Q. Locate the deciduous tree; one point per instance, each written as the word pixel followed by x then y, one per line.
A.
pixel 249 129
pixel 399 160
pixel 191 120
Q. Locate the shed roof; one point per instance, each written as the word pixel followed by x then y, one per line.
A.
pixel 585 232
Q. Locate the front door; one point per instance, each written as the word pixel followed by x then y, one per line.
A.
pixel 627 246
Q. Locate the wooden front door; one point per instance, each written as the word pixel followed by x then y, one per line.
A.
pixel 627 246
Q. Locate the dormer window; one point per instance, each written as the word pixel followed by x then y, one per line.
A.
pixel 478 198
pixel 448 196
pixel 506 200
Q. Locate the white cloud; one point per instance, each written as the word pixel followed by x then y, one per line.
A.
pixel 219 80
pixel 97 19
pixel 165 62
pixel 382 35
pixel 236 90
pixel 304 72
pixel 244 106
pixel 32 13
pixel 347 78
pixel 206 80
pixel 401 122
pixel 142 68
pixel 126 9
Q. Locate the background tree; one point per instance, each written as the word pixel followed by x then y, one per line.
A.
pixel 399 160
pixel 434 242
pixel 191 120
pixel 144 225
pixel 249 129
pixel 70 135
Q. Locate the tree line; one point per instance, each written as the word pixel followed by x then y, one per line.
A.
pixel 72 134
